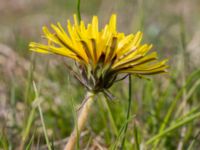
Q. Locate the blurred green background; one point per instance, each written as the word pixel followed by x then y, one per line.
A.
pixel 172 26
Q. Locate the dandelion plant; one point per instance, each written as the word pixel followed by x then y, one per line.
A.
pixel 102 57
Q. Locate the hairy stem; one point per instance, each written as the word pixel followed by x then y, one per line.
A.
pixel 81 121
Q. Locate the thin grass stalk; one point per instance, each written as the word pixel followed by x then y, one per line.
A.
pixel 128 111
pixel 28 126
pixel 110 116
pixel 79 10
pixel 28 147
pixel 190 147
pixel 184 100
pixel 121 131
pixel 37 103
pixel 44 128
pixel 29 119
pixel 82 119
pixel 189 94
pixel 137 144
pixel 104 120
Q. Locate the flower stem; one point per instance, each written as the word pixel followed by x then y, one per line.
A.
pixel 82 118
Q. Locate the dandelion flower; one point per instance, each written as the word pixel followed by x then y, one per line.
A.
pixel 102 55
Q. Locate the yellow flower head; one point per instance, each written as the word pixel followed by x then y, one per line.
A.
pixel 101 55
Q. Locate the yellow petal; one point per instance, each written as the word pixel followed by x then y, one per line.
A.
pixel 112 23
pixel 124 42
pixel 137 39
pixel 137 61
pixel 75 20
pixel 95 28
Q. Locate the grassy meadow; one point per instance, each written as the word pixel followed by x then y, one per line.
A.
pixel 39 98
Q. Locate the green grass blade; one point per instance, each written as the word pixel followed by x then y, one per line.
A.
pixel 28 147
pixel 120 136
pixel 190 147
pixel 128 110
pixel 41 117
pixel 113 124
pixel 173 127
pixel 174 102
pixel 79 10
pixel 137 143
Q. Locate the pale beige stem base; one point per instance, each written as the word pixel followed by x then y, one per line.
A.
pixel 82 118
